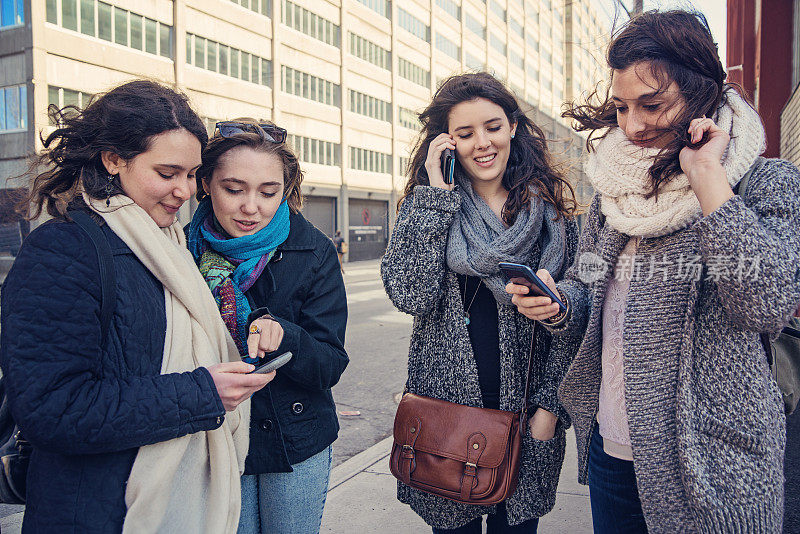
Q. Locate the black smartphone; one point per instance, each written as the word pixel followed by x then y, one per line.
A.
pixel 448 165
pixel 524 276
pixel 273 364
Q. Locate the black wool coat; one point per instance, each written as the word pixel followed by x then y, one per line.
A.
pixel 294 417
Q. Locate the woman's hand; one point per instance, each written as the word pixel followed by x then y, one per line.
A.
pixel 535 308
pixel 265 336
pixel 433 163
pixel 234 384
pixel 703 167
pixel 542 425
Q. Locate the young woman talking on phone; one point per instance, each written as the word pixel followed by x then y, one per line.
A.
pixel 679 423
pixel 277 282
pixel 469 345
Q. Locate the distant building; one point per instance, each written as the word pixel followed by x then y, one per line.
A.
pixel 345 77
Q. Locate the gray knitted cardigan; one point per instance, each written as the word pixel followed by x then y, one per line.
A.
pixel 441 363
pixel 706 417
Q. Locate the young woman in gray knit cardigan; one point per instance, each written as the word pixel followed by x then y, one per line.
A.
pixel 679 423
pixel 469 345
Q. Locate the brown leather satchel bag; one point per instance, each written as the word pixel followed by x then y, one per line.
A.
pixel 463 453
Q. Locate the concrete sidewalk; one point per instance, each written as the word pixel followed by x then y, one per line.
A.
pixel 362 498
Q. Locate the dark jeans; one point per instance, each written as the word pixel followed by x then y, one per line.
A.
pixel 616 508
pixel 495 524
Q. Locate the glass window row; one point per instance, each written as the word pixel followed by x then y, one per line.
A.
pixel 310 150
pixel 369 51
pixel 448 47
pixel 413 73
pixel 61 97
pixel 308 86
pixel 13 108
pixel 381 7
pixel 12 13
pixel 113 24
pixel 370 106
pixel 451 8
pixel 369 160
pixel 259 6
pixel 410 120
pixel 409 22
pixel 475 26
pixel 309 23
pixel 216 57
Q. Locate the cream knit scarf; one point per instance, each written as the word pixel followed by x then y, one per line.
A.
pixel 190 483
pixel 618 171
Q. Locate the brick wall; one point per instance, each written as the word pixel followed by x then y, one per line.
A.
pixel 790 129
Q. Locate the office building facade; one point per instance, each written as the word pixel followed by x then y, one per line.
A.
pixel 346 78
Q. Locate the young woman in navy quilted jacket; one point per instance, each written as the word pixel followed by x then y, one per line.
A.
pixel 272 272
pixel 145 429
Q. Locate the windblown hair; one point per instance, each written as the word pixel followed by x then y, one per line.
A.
pixel 529 163
pixel 122 121
pixel 678 47
pixel 218 146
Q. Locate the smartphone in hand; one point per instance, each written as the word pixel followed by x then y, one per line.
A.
pixel 448 165
pixel 273 364
pixel 523 275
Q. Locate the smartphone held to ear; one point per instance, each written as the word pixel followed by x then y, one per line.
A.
pixel 448 165
pixel 273 364
pixel 523 275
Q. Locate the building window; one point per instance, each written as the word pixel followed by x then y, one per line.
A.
pixel 113 24
pixel 473 62
pixel 410 120
pixel 370 106
pixel 498 10
pixel 13 108
pixel 403 164
pixel 516 27
pixel 413 73
pixel 307 86
pixel 316 151
pixel 216 57
pixel 533 72
pixel 450 7
pixel 516 60
pixel 259 6
pixel 61 97
pixel 381 7
pixel 533 40
pixel 369 51
pixel 369 160
pixel 448 47
pixel 498 44
pixel 475 26
pixel 309 23
pixel 412 24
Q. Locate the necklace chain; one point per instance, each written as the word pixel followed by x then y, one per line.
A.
pixel 464 297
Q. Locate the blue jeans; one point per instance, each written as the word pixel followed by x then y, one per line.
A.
pixel 613 493
pixel 495 524
pixel 286 503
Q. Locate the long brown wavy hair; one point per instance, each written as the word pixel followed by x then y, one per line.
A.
pixel 123 121
pixel 529 163
pixel 678 47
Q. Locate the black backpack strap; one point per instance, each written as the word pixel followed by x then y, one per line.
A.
pixel 107 277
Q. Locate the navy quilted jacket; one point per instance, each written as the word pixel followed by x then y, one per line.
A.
pixel 85 406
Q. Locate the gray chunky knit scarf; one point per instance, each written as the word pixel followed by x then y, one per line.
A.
pixel 479 240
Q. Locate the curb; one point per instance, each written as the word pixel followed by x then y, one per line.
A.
pixel 358 463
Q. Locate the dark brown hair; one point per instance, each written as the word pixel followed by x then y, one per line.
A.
pixel 679 47
pixel 529 161
pixel 122 121
pixel 255 140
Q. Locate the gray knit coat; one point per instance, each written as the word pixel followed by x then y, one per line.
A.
pixel 705 414
pixel 441 363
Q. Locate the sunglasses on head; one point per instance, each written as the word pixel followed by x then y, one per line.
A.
pixel 274 134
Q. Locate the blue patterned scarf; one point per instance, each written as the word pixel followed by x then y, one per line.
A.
pixel 231 265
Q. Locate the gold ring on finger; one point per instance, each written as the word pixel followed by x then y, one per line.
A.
pixel 255 329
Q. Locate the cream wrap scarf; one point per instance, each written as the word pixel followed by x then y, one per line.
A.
pixel 191 483
pixel 618 171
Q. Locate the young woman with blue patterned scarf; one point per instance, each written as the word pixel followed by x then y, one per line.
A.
pixel 272 272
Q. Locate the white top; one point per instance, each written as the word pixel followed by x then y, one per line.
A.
pixel 612 416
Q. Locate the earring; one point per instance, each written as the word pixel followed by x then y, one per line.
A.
pixel 512 136
pixel 109 189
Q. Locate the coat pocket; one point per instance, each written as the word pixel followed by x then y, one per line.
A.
pixel 748 441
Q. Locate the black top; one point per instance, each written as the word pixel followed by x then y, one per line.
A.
pixel 484 337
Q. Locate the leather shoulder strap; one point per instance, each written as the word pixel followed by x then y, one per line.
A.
pixel 106 260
